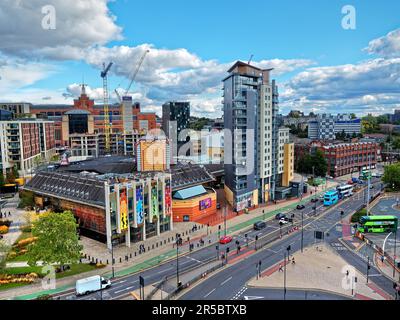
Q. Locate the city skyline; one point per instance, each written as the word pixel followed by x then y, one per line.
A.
pixel 331 70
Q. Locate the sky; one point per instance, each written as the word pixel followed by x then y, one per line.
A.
pixel 49 47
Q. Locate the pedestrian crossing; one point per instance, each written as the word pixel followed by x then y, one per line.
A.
pixel 239 293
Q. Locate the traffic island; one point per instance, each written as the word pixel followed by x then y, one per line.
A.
pixel 319 267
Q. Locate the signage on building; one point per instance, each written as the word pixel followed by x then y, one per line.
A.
pixel 139 205
pixel 123 210
pixel 205 203
pixel 154 200
pixel 168 198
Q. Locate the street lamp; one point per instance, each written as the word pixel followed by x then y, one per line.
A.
pixel 112 258
pixel 178 238
pixel 302 231
pixel 284 276
pixel 368 267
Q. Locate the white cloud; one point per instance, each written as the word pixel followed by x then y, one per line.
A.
pixel 386 46
pixel 79 24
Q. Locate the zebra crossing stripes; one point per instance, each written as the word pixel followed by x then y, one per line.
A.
pixel 239 293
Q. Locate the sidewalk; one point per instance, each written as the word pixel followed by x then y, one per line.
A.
pixel 17 218
pixel 160 253
pixel 321 269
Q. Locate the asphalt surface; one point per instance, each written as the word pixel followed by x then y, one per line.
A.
pixel 277 294
pixel 229 281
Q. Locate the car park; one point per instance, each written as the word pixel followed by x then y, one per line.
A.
pixel 259 225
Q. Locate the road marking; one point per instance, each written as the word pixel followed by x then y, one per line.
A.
pixel 209 293
pixel 164 270
pixel 127 288
pixel 226 281
pixel 252 298
pixel 116 287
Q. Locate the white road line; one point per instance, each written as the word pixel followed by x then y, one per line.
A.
pixel 209 293
pixel 164 270
pixel 116 287
pixel 226 281
pixel 127 288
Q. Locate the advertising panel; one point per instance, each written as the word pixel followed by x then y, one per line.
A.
pixel 154 200
pixel 168 198
pixel 123 210
pixel 205 203
pixel 139 205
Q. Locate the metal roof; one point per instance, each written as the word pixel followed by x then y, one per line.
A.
pixel 189 192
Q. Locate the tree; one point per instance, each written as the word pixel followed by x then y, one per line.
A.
pixel 306 163
pixel 4 248
pixel 391 176
pixel 319 163
pixel 57 239
pixel 2 180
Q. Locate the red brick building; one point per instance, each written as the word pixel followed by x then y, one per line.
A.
pixel 56 112
pixel 345 158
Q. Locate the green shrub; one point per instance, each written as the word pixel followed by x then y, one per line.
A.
pixel 356 216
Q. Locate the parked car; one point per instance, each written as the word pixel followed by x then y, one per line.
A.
pixel 300 207
pixel 280 215
pixel 259 225
pixel 225 239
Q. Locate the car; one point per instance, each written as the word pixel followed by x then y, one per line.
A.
pixel 283 221
pixel 225 239
pixel 280 215
pixel 314 200
pixel 300 207
pixel 259 225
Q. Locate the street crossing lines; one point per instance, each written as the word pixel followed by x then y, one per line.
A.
pixel 240 292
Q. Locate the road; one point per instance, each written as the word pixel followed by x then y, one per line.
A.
pixel 312 219
pixel 218 287
pixel 277 294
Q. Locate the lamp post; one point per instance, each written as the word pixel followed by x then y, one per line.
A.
pixel 225 209
pixel 368 267
pixel 112 258
pixel 394 254
pixel 302 231
pixel 177 261
pixel 284 276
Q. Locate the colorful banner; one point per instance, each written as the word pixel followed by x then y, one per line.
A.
pixel 139 205
pixel 205 203
pixel 123 210
pixel 154 200
pixel 168 199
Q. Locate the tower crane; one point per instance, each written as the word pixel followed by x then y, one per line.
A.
pixel 133 76
pixel 107 130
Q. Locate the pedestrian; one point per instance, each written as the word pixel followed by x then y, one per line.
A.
pixel 280 267
pixel 9 213
pixel 347 273
pixel 1 215
pixel 293 262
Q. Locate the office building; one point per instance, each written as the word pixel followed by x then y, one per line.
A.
pixel 172 112
pixel 326 126
pixel 24 143
pixel 254 142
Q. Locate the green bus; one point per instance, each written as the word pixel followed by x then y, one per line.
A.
pixel 378 224
pixel 365 174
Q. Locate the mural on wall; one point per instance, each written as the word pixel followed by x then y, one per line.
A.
pixel 139 205
pixel 205 203
pixel 123 210
pixel 168 198
pixel 154 201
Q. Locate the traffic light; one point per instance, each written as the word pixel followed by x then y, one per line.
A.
pixel 341 212
pixel 288 248
pixel 219 227
pixel 259 263
pixel 256 237
pixel 245 235
pixel 227 250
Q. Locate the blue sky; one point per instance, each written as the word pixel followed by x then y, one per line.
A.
pixel 319 65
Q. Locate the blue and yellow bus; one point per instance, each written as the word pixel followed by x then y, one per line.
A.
pixel 331 197
pixel 378 224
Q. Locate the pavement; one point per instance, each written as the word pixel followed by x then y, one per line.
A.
pixel 17 218
pixel 318 268
pixel 231 282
